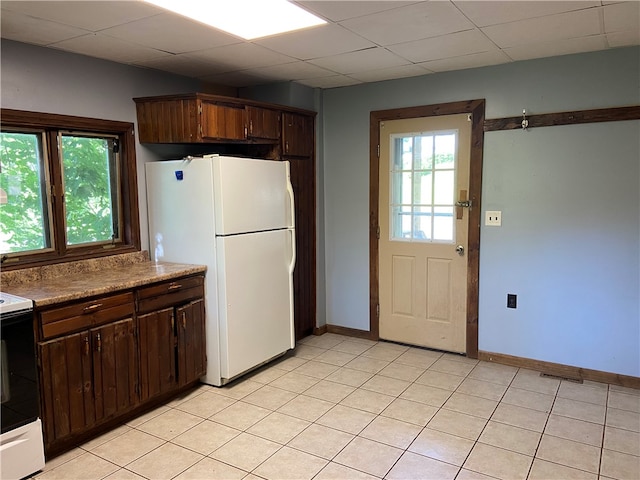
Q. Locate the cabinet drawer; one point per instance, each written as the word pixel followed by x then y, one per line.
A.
pixel 168 294
pixel 59 321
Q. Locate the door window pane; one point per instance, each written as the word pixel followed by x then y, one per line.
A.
pixel 91 183
pixel 423 181
pixel 423 188
pixel 24 218
pixel 422 223
pixel 444 187
pixel 445 150
pixel 443 223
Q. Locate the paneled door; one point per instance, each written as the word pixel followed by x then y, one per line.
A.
pixel 423 221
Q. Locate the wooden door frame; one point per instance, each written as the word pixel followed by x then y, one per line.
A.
pixel 476 109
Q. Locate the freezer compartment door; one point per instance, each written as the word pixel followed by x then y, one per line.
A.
pixel 251 195
pixel 255 298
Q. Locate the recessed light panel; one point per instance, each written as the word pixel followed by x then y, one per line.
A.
pixel 248 19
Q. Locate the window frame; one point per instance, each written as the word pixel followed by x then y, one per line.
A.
pixel 52 125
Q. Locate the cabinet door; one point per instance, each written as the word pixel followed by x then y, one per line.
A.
pixel 263 123
pixel 66 386
pixel 114 368
pixel 297 134
pixel 304 275
pixel 157 353
pixel 192 357
pixel 223 122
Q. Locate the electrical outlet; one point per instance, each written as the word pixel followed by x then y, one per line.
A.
pixel 512 300
pixel 493 218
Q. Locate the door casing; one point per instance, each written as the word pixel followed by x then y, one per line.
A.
pixel 476 109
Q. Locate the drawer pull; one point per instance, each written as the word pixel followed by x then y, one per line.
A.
pixel 99 343
pixel 175 286
pixel 86 346
pixel 91 308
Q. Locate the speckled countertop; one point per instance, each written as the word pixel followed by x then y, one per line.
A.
pixel 83 280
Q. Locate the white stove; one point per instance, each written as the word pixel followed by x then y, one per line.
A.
pixel 21 443
pixel 11 303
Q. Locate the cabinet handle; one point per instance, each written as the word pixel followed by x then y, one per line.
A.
pixel 91 308
pixel 286 147
pixel 86 346
pixel 184 321
pixel 175 286
pixel 99 343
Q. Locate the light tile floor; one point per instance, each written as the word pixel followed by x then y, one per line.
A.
pixel 345 408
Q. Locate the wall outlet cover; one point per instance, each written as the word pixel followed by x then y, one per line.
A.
pixel 493 218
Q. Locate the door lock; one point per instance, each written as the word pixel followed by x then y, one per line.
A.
pixel 460 250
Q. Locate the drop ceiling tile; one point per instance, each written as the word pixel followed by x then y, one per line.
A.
pixel 486 13
pixel 93 15
pixel 421 20
pixel 240 56
pixel 292 71
pixel 103 46
pixel 23 28
pixel 181 65
pixel 342 10
pixel 553 27
pixel 453 45
pixel 330 82
pixel 315 42
pixel 240 78
pixel 482 59
pixel 382 74
pixel 622 16
pixel 557 47
pixel 623 39
pixel 171 33
pixel 360 61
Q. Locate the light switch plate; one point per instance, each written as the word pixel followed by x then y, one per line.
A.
pixel 493 218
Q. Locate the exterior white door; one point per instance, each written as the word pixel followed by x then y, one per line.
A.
pixel 424 184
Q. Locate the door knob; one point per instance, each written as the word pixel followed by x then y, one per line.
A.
pixel 460 250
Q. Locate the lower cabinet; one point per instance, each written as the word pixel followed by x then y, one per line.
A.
pixel 171 320
pixel 190 329
pixel 157 353
pixel 172 348
pixel 87 377
pixel 103 358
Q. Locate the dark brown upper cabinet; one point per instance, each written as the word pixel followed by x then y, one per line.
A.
pixel 202 118
pixel 263 123
pixel 297 129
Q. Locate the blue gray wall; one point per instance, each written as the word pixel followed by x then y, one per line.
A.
pixel 570 237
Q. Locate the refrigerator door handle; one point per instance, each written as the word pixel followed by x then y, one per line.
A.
pixel 292 202
pixel 292 263
pixel 292 212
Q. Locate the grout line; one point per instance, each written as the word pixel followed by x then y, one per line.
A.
pixel 604 430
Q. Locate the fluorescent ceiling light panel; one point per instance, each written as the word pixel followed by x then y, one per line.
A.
pixel 248 19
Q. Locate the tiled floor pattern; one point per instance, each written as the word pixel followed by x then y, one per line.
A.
pixel 345 408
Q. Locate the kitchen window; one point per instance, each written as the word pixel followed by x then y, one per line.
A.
pixel 68 189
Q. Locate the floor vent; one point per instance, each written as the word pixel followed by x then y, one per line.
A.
pixel 558 377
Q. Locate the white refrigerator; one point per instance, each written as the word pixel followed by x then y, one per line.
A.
pixel 236 216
